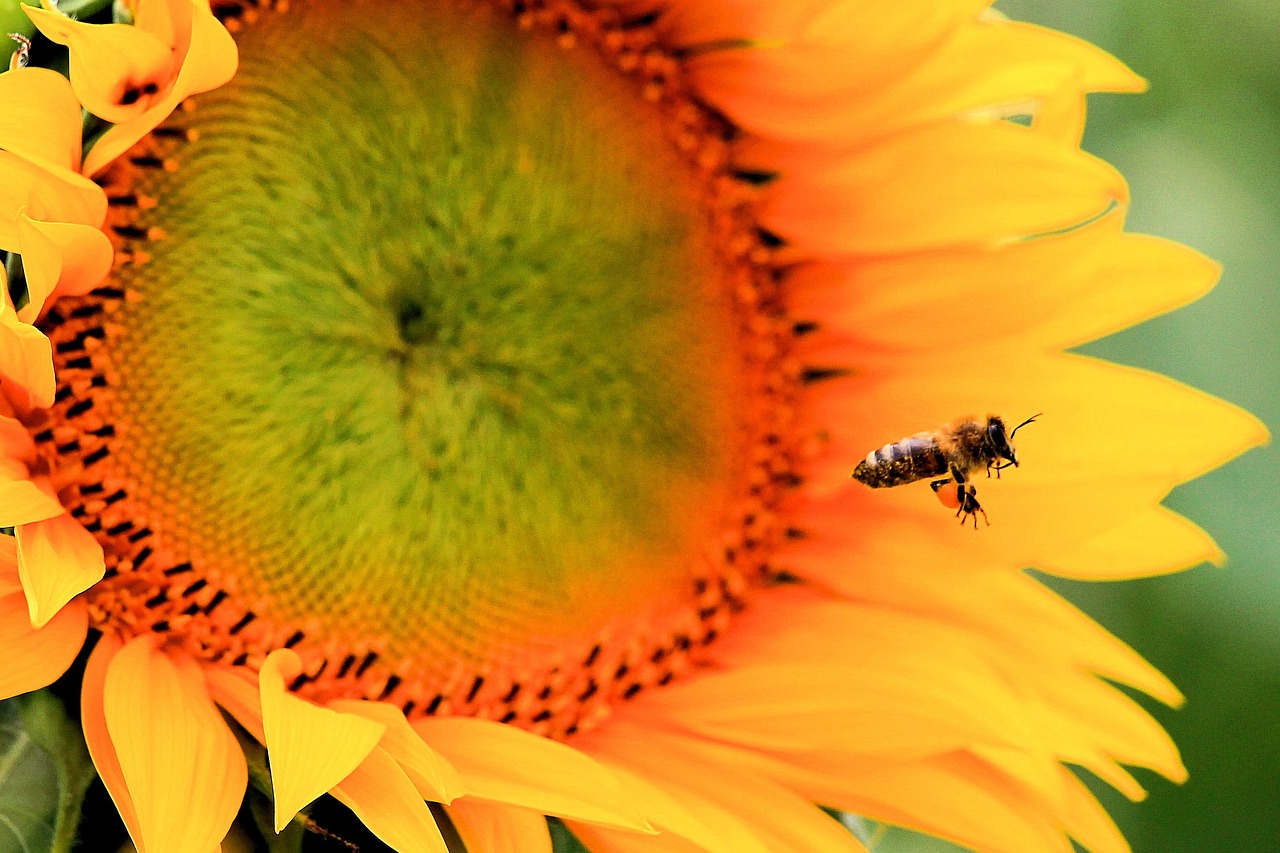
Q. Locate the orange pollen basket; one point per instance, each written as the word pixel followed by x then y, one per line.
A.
pixel 155 584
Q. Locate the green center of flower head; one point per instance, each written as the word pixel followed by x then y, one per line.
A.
pixel 433 352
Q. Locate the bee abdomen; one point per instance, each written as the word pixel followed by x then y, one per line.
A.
pixel 902 462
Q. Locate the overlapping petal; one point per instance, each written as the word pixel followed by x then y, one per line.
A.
pixel 915 192
pixel 142 86
pixel 60 259
pixel 117 70
pixel 26 360
pixel 737 801
pixel 57 559
pixel 40 156
pixel 386 801
pixel 508 765
pixel 311 749
pixel 1063 712
pixel 362 753
pixel 34 657
pixel 165 748
pixel 493 828
pixel 41 120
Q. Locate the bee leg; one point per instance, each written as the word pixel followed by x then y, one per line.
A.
pixel 967 496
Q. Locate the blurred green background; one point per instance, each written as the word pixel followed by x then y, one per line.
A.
pixel 1201 151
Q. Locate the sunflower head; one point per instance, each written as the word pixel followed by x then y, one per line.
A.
pixel 460 396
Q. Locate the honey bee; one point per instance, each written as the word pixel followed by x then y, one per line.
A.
pixel 958 450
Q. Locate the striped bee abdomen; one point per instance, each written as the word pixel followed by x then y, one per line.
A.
pixel 905 461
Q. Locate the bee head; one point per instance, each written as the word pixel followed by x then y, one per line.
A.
pixel 1000 441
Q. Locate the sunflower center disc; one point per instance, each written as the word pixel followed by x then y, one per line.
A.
pixel 434 352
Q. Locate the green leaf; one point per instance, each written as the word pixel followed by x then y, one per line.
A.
pixel 289 840
pixel 563 839
pixel 44 773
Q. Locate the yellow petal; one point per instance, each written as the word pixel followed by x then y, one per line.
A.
pixel 97 737
pixel 509 765
pixel 810 51
pixel 23 502
pixel 1062 117
pixel 49 192
pixel 957 796
pixel 814 705
pixel 900 196
pixel 1054 292
pixel 488 828
pixel 678 815
pixel 385 801
pixel 117 70
pixel 9 566
pixel 1152 541
pixel 984 66
pixel 60 259
pixel 310 749
pixel 17 450
pixel 33 657
pixel 57 559
pixel 1088 822
pixel 1110 724
pixel 788 694
pixel 954 594
pixel 210 61
pixel 600 840
pixel 167 20
pixel 41 118
pixel 770 814
pixel 26 363
pixel 822 23
pixel 433 776
pixel 236 691
pixel 182 766
pixel 1158 276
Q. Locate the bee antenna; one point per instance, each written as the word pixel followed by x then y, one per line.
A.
pixel 1024 423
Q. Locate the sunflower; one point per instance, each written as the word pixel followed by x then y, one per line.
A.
pixel 458 400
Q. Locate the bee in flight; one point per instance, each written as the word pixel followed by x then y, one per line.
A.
pixel 953 454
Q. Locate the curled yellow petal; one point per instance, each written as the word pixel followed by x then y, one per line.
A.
pixel 60 259
pixel 310 749
pixel 207 58
pixel 57 559
pixel 117 71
